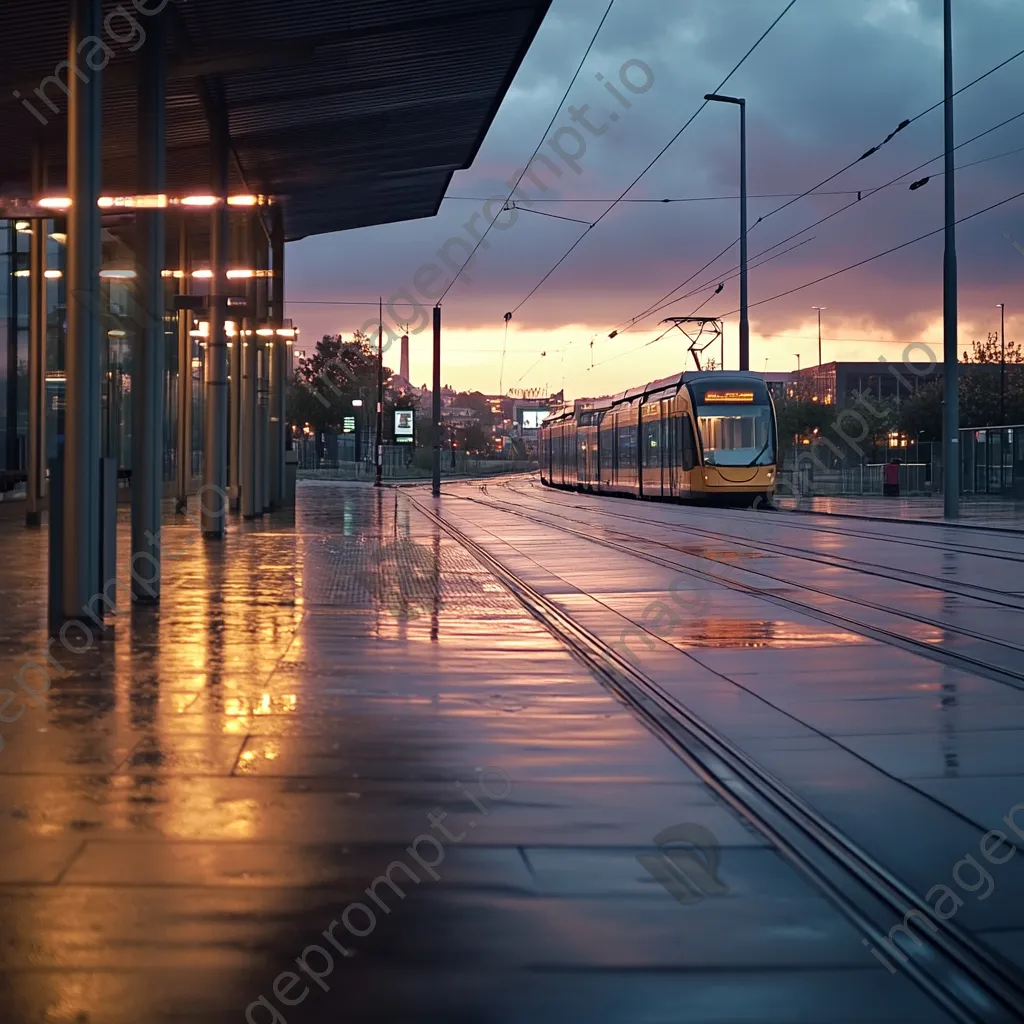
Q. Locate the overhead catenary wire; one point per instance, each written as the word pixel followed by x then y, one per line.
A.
pixel 826 277
pixel 835 273
pixel 879 255
pixel 542 213
pixel 544 135
pixel 906 123
pixel 835 213
pixel 667 299
pixel 533 291
pixel 681 199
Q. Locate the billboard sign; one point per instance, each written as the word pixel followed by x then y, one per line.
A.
pixel 533 418
pixel 405 426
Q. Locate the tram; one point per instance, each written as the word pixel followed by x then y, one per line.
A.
pixel 709 436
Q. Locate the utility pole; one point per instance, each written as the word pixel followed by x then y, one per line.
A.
pixel 951 424
pixel 819 309
pixel 435 403
pixel 1002 364
pixel 380 395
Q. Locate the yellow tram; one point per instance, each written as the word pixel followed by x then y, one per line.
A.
pixel 707 436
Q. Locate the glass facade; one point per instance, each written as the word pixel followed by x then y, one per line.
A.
pixel 119 327
pixel 14 333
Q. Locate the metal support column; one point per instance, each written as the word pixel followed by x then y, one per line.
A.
pixel 239 248
pixel 184 376
pixel 951 412
pixel 278 364
pixel 37 355
pixel 213 495
pixel 263 424
pixel 148 362
pixel 436 404
pixel 247 431
pixel 262 404
pixel 81 520
pixel 250 387
pixel 379 454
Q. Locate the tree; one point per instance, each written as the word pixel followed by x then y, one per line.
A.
pixel 978 393
pixel 478 403
pixel 338 373
pixel 920 415
pixel 991 351
pixel 472 439
pixel 796 417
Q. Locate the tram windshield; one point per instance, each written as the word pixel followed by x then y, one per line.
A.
pixel 735 426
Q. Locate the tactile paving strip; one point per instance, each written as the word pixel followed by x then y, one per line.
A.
pixel 398 574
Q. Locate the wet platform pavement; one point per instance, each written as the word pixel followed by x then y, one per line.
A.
pixel 988 513
pixel 320 705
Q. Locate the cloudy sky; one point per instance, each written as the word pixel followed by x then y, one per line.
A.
pixel 834 78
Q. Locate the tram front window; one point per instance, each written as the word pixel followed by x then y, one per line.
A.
pixel 736 435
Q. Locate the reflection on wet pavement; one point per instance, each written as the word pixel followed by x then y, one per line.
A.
pixel 199 798
pixel 802 658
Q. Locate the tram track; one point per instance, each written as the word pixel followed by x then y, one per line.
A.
pixel 957 972
pixel 943 656
pixel 805 525
pixel 980 593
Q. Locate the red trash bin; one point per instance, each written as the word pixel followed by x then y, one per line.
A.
pixel 891 480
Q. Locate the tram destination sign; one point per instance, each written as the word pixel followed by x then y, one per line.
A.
pixel 728 397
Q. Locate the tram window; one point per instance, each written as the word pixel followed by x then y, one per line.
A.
pixel 607 445
pixel 652 443
pixel 627 445
pixel 736 435
pixel 689 448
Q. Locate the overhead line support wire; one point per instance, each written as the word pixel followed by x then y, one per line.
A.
pixel 869 259
pixel 664 150
pixel 544 135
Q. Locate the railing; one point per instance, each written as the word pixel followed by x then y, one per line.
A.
pixel 326 459
pixel 807 479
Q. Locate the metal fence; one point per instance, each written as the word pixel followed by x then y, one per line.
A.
pixel 804 478
pixel 992 461
pixel 334 457
pixel 991 464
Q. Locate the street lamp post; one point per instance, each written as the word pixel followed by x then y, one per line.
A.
pixel 744 321
pixel 1002 364
pixel 819 309
pixel 951 424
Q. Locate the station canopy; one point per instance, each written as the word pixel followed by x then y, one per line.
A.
pixel 349 112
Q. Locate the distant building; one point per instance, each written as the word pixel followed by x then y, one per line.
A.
pixel 779 384
pixel 459 416
pixel 835 382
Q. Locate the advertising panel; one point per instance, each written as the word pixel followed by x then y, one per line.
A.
pixel 405 426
